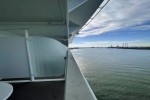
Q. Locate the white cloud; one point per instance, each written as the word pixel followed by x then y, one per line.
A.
pixel 143 27
pixel 119 14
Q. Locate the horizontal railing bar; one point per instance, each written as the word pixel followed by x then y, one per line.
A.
pixel 36 80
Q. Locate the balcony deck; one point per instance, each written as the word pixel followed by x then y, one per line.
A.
pixel 38 91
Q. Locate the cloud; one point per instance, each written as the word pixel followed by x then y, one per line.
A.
pixel 142 27
pixel 119 14
pixel 109 43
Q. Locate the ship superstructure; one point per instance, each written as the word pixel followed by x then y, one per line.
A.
pixel 34 54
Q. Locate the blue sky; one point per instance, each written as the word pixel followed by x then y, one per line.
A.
pixel 121 21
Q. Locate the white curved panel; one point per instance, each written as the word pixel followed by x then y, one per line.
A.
pixel 47 56
pixel 13 58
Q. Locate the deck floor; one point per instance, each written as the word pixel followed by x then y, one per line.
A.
pixel 38 91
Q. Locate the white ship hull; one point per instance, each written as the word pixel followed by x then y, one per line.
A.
pixel 34 39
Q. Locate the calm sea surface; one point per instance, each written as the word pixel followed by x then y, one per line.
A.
pixel 116 74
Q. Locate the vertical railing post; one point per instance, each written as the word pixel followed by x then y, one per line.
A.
pixel 66 64
pixel 29 55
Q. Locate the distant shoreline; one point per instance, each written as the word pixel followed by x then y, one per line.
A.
pixel 139 48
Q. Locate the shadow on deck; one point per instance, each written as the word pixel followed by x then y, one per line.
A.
pixel 38 91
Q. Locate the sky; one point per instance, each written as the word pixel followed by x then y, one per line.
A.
pixel 121 21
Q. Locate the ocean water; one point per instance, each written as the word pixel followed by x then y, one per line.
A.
pixel 116 74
